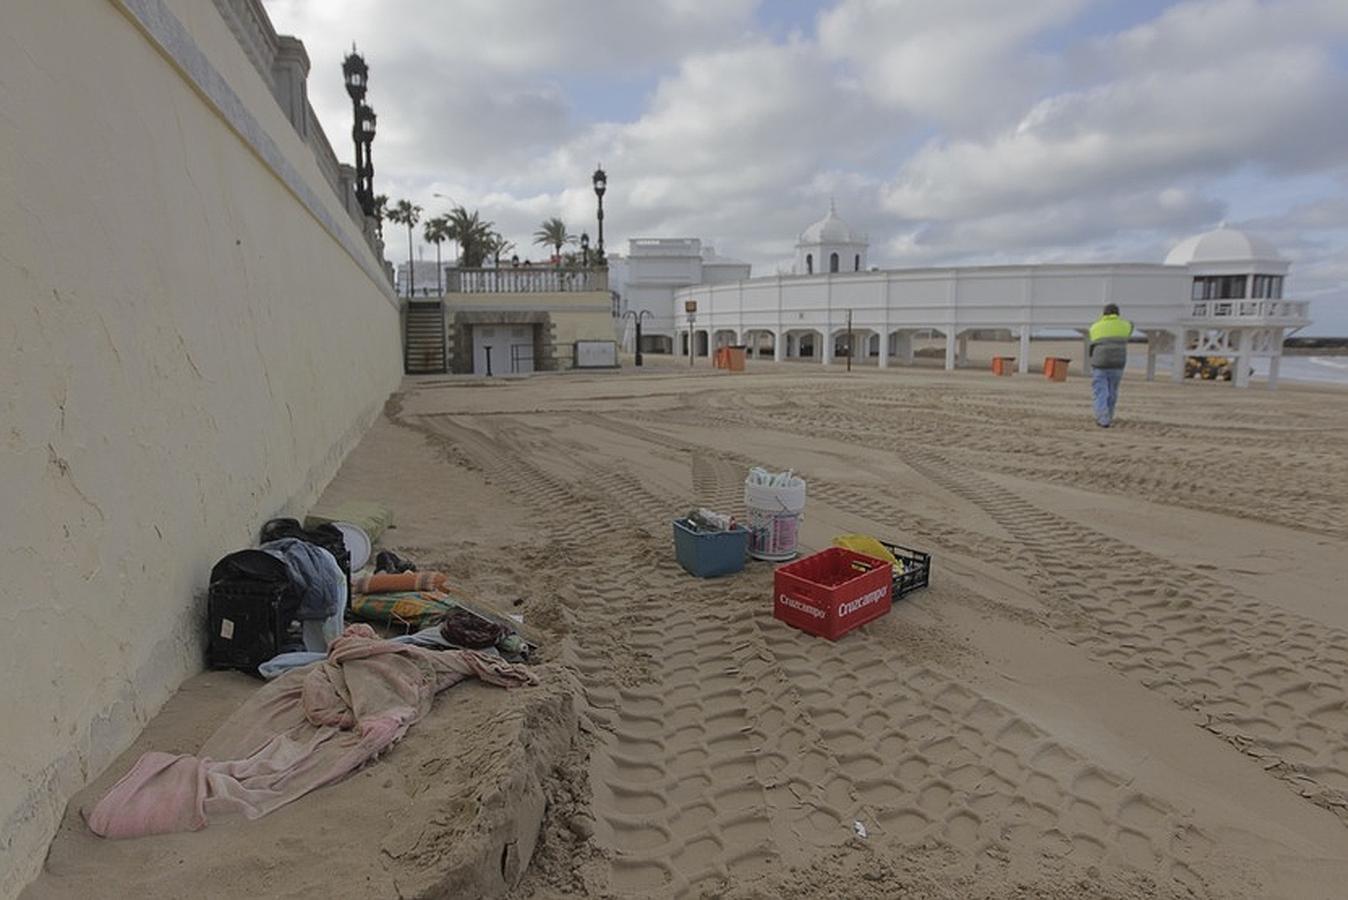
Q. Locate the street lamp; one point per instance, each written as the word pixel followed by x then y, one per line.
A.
pixel 356 76
pixel 690 307
pixel 600 179
pixel 365 177
pixel 646 312
pixel 585 248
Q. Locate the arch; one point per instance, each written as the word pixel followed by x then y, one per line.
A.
pixel 701 342
pixel 862 340
pixel 833 262
pixel 856 263
pixel 809 263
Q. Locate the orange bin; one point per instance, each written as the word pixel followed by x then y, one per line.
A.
pixel 734 358
pixel 1003 365
pixel 1055 367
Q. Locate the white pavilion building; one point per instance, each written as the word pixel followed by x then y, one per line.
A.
pixel 1217 293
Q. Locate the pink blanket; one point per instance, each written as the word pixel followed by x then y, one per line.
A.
pixel 306 729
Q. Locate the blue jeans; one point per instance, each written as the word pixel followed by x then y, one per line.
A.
pixel 1105 391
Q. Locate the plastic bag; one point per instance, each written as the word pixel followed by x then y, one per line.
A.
pixel 864 543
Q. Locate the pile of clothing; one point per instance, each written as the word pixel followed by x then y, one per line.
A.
pixel 339 694
pixel 307 729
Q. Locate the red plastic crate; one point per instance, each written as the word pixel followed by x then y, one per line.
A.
pixel 831 592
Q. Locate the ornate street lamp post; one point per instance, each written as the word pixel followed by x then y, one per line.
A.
pixel 356 74
pixel 637 316
pixel 365 177
pixel 690 307
pixel 600 179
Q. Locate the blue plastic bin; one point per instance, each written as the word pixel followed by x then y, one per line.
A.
pixel 707 554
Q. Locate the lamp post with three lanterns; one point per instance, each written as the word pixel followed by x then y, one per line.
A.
pixel 356 75
pixel 600 180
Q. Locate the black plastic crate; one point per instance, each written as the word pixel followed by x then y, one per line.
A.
pixel 916 569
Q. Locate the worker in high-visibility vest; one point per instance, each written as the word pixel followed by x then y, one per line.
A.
pixel 1109 354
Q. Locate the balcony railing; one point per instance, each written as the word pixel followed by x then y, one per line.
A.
pixel 1227 310
pixel 525 281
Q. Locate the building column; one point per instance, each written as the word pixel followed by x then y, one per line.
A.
pixel 1274 361
pixel 884 348
pixel 1151 356
pixel 1241 358
pixel 1177 356
pixel 905 348
pixel 962 359
pixel 1023 360
pixel 826 350
pixel 778 346
pixel 950 349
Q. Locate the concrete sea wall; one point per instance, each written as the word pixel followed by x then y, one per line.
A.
pixel 193 333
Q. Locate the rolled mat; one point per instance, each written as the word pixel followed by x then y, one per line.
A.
pixel 372 517
pixel 390 582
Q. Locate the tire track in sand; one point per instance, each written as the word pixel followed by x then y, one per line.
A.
pixel 1195 640
pixel 1191 638
pixel 744 758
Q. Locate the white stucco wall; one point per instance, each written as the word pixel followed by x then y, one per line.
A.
pixel 193 335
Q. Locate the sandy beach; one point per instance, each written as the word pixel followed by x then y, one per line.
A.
pixel 1128 678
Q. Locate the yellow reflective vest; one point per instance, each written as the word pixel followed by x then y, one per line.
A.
pixel 1109 342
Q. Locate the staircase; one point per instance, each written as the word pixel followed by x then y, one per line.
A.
pixel 424 338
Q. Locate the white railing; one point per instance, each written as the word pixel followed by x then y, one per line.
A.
pixel 515 280
pixel 1249 309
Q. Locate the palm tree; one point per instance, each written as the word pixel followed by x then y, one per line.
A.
pixel 436 232
pixel 472 234
pixel 552 233
pixel 380 212
pixel 407 213
pixel 498 246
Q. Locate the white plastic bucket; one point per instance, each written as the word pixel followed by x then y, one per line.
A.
pixel 773 518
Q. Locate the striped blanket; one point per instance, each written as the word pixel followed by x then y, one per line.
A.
pixel 413 609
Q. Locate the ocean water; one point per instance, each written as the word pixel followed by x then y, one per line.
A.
pixel 1316 369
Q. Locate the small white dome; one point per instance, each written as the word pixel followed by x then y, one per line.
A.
pixel 830 230
pixel 1221 246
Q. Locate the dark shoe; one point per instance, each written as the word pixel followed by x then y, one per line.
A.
pixel 388 561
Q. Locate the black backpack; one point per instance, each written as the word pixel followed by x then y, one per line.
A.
pixel 250 611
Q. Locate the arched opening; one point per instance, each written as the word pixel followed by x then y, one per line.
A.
pixel 833 262
pixel 809 263
pixel 856 263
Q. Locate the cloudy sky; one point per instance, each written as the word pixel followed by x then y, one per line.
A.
pixel 951 131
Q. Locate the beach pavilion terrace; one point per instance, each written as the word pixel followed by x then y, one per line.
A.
pixel 1219 293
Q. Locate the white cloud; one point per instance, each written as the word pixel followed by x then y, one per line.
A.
pixel 956 61
pixel 1267 109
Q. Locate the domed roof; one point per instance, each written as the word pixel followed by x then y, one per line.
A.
pixel 1221 245
pixel 831 230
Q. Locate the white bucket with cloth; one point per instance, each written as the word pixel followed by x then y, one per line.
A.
pixel 773 504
